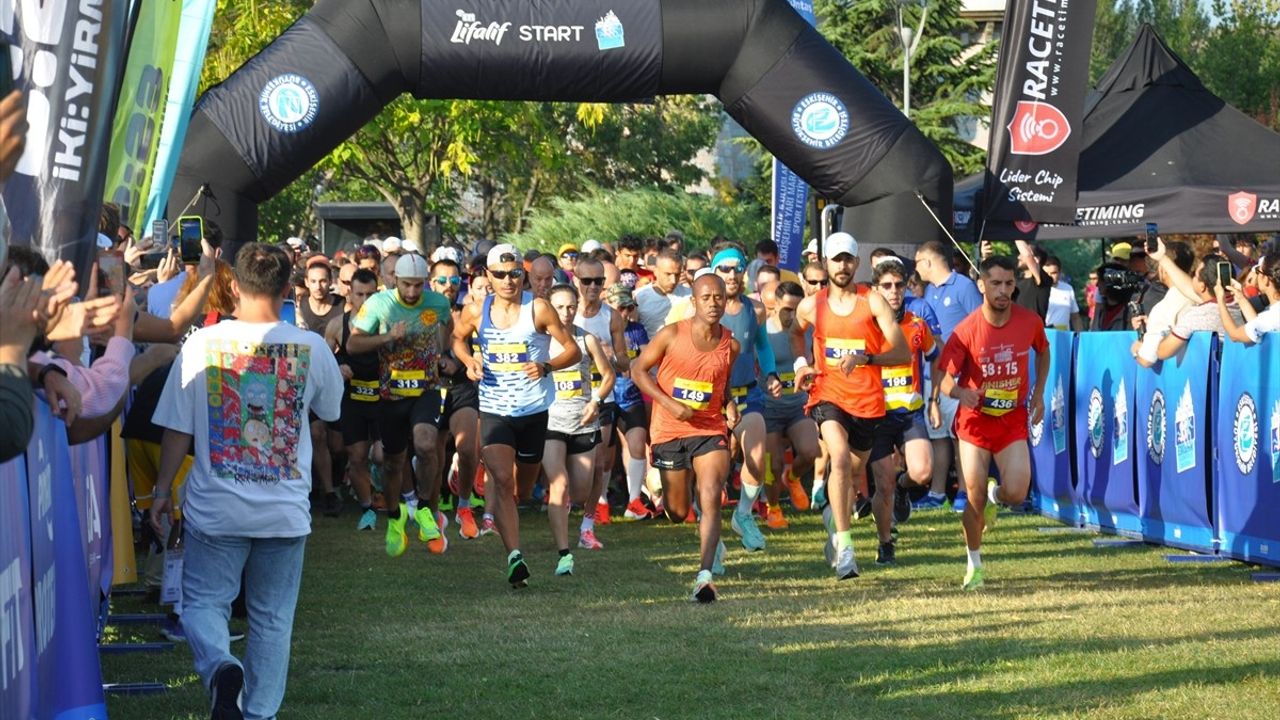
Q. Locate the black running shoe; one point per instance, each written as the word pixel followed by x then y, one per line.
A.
pixel 517 572
pixel 862 508
pixel 901 505
pixel 228 681
pixel 886 555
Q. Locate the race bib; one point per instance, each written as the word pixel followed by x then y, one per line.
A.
pixel 899 388
pixel 568 384
pixel 693 393
pixel 364 390
pixel 507 357
pixel 788 380
pixel 407 383
pixel 836 349
pixel 999 402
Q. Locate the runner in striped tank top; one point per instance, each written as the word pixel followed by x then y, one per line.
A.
pixel 514 372
pixel 692 418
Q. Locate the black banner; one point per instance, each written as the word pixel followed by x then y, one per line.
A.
pixel 72 54
pixel 599 50
pixel 1036 128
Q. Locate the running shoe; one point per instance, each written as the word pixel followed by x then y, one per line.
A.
pixel 517 570
pixel 886 555
pixel 477 501
pixel 862 508
pixel 960 502
pixel 745 526
pixel 993 506
pixel 565 566
pixel 486 525
pixel 368 519
pixel 587 540
pixel 440 543
pixel 703 591
pixel 929 502
pixel 171 630
pixel 901 505
pixel 846 564
pixel 466 519
pixel 227 688
pixel 717 564
pixel 692 515
pixel 799 498
pixel 774 519
pixel 637 510
pixel 819 496
pixel 427 528
pixel 602 513
pixel 972 578
pixel 397 541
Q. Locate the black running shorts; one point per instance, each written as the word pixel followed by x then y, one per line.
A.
pixel 861 431
pixel 525 434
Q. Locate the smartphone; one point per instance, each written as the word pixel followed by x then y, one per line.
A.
pixel 111 264
pixel 150 261
pixel 1152 234
pixel 1225 274
pixel 190 233
pixel 6 71
pixel 159 232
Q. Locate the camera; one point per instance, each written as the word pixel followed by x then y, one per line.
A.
pixel 1118 281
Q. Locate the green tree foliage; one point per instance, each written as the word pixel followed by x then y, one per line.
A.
pixel 606 215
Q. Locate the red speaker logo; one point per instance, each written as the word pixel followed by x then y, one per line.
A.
pixel 1241 206
pixel 1037 128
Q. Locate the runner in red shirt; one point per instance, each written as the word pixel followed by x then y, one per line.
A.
pixel 692 418
pixel 984 366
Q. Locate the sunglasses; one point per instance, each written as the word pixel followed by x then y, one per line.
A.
pixel 726 269
pixel 442 280
pixel 569 256
pixel 504 274
pixel 591 280
pixel 822 283
pixel 892 285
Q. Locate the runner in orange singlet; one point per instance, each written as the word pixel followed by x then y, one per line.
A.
pixel 984 366
pixel 692 418
pixel 855 334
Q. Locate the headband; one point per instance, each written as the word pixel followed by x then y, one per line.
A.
pixel 729 253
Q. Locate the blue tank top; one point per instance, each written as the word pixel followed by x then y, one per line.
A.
pixel 504 388
pixel 744 328
pixel 780 341
pixel 625 391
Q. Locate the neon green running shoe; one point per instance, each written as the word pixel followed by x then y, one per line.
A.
pixel 427 528
pixel 517 570
pixel 565 566
pixel 993 507
pixel 972 579
pixel 397 541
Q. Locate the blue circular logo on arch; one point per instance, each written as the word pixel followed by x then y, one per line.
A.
pixel 289 102
pixel 820 120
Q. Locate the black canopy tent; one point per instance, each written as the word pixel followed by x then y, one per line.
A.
pixel 1159 147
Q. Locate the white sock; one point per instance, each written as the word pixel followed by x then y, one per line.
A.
pixel 818 483
pixel 747 498
pixel 604 496
pixel 975 559
pixel 938 495
pixel 588 522
pixel 636 470
pixel 991 493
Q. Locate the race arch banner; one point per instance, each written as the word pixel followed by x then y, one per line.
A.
pixel 1173 416
pixel 1247 462
pixel 1105 377
pixel 1053 492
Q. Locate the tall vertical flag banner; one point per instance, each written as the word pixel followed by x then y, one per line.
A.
pixel 1037 122
pixel 193 40
pixel 790 193
pixel 67 59
pixel 140 109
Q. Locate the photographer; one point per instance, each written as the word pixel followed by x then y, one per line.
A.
pixel 1118 289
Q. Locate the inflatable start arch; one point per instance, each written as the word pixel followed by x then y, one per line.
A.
pixel 339 65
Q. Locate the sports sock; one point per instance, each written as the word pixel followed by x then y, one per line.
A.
pixel 937 495
pixel 564 551
pixel 464 502
pixel 636 469
pixel 844 539
pixel 747 498
pixel 588 522
pixel 975 559
pixel 991 492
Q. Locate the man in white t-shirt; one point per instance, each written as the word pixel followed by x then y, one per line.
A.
pixel 240 391
pixel 1064 310
pixel 654 300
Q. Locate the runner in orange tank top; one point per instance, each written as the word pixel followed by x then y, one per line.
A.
pixel 855 333
pixel 691 420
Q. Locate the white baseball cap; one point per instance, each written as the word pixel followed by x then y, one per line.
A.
pixel 590 246
pixel 812 247
pixel 498 252
pixel 375 242
pixel 445 252
pixel 392 245
pixel 839 243
pixel 411 265
pixel 294 242
pixel 104 242
pixel 411 245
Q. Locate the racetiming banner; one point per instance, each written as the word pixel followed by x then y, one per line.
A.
pixel 70 60
pixel 1105 376
pixel 790 193
pixel 1054 495
pixel 1037 126
pixel 140 110
pixel 1246 486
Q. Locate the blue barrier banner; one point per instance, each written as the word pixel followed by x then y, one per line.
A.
pixel 89 473
pixel 1053 491
pixel 790 193
pixel 17 623
pixel 69 678
pixel 1173 414
pixel 1247 463
pixel 1105 373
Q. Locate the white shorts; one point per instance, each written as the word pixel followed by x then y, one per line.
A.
pixel 947 406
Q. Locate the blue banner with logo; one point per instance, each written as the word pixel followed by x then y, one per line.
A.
pixel 1104 398
pixel 1246 488
pixel 790 193
pixel 1053 492
pixel 89 475
pixel 68 677
pixel 1173 415
pixel 17 623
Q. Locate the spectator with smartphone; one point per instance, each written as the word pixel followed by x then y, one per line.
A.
pixel 1202 314
pixel 1155 323
pixel 1267 276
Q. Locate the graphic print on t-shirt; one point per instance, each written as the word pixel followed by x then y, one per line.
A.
pixel 255 409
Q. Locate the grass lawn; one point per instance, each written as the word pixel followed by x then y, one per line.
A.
pixel 1061 630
